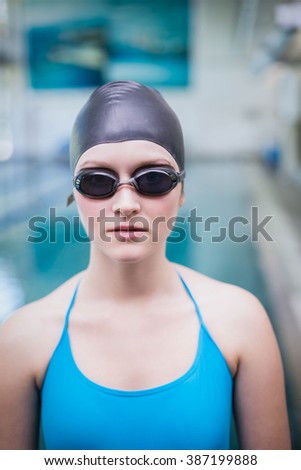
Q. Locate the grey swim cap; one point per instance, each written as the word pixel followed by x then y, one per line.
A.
pixel 126 110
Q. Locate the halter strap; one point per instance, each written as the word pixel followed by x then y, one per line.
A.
pixel 71 305
pixel 191 297
pixel 183 282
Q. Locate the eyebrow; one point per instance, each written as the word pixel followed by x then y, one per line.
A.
pixel 98 164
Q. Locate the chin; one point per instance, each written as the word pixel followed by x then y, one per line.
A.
pixel 131 253
pixel 129 258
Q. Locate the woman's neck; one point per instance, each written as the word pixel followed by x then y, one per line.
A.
pixel 129 281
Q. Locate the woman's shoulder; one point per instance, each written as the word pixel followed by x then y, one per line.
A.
pixel 215 290
pixel 234 316
pixel 42 307
pixel 34 323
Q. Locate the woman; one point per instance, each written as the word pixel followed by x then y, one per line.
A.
pixel 137 352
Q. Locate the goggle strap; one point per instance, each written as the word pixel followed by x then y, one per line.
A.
pixel 181 175
pixel 70 199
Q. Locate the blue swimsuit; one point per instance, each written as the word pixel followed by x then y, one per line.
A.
pixel 192 412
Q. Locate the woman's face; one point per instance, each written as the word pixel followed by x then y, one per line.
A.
pixel 106 220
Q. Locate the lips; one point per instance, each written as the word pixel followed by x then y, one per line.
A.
pixel 128 228
pixel 129 233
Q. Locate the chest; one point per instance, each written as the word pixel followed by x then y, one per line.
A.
pixel 193 412
pixel 136 351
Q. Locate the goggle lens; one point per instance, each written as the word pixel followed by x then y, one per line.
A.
pixel 154 183
pixel 96 185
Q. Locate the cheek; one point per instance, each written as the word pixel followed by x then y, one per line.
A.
pixel 86 208
pixel 162 215
pixel 89 210
pixel 162 206
pixel 169 205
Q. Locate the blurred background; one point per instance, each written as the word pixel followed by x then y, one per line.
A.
pixel 231 70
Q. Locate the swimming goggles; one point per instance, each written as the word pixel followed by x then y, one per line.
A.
pixel 99 183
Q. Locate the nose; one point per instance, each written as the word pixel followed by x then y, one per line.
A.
pixel 125 201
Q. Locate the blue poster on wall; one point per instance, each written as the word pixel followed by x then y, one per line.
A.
pixel 69 54
pixel 144 41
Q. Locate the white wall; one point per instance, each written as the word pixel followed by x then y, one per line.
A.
pixel 225 111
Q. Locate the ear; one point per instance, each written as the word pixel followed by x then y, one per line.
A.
pixel 182 199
